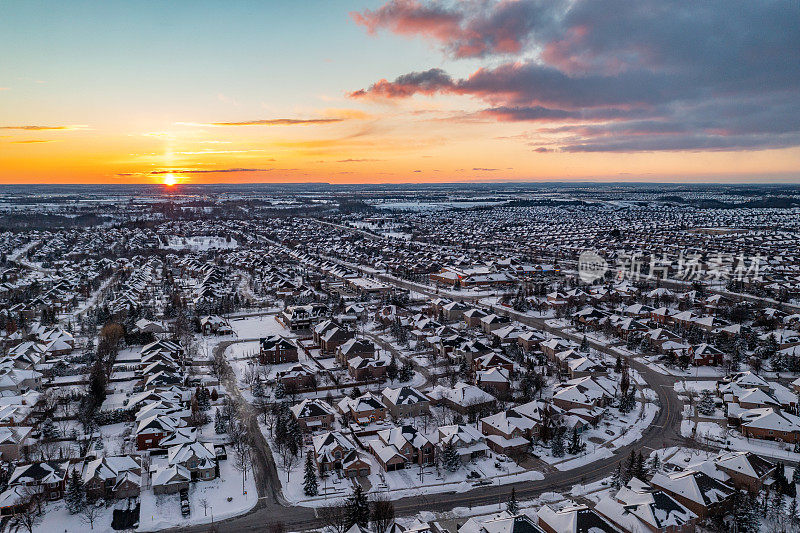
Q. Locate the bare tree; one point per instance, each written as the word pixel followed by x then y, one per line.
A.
pixel 29 512
pixel 241 462
pixel 204 505
pixel 335 516
pixel 382 514
pixel 90 513
pixel 289 459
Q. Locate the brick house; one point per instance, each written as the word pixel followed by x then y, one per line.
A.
pixel 276 349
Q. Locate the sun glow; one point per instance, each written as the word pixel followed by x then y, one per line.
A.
pixel 170 180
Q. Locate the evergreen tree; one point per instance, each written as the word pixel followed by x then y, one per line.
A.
pixel 584 344
pixel 616 477
pixel 641 471
pixel 258 389
pixel 49 430
pixel 745 513
pixel 310 480
pixel 796 476
pixel 407 371
pixel 391 369
pixel 280 391
pixel 655 464
pixel 358 507
pixel 75 496
pixel 450 458
pixel 576 445
pixel 776 505
pixel 557 444
pixel 630 468
pixel 512 506
pixel 219 423
pixel 706 404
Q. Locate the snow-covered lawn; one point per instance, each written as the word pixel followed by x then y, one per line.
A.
pixel 695 386
pixel 164 510
pixel 256 327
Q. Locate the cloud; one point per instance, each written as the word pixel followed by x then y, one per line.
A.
pixel 468 29
pixel 5 88
pixel 653 75
pixel 268 122
pixel 358 160
pixel 427 82
pixel 43 128
pixel 214 171
pixel 32 141
pixel 478 169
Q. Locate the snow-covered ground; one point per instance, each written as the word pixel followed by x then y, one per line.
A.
pixel 224 497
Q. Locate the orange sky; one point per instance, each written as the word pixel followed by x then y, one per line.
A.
pixel 121 94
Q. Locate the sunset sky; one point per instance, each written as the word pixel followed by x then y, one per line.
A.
pixel 399 91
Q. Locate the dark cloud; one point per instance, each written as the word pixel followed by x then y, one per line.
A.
pixel 476 28
pixel 619 76
pixel 478 169
pixel 358 160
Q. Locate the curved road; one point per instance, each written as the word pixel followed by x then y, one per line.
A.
pixel 272 508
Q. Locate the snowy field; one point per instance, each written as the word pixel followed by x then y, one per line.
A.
pixel 256 327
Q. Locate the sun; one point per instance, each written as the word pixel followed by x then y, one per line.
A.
pixel 170 180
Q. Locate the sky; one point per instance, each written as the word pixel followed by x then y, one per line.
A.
pixel 399 91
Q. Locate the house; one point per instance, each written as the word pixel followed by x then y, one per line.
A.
pixel 700 493
pixel 496 380
pixel 170 479
pixel 468 442
pixel 706 355
pixel 13 500
pixel 744 470
pixel 363 410
pixel 573 518
pixel 508 431
pixel 501 523
pixel 48 478
pixel 472 317
pixel 199 458
pixel 492 360
pixel 276 349
pixel 113 477
pixel 333 452
pixel 151 430
pixel 584 393
pixel 333 338
pixel 637 507
pixel 492 322
pixel 367 368
pixel 215 325
pixel 463 398
pixel 321 328
pixel 13 442
pixel 771 424
pixel 405 401
pixel 454 310
pixel 313 414
pixel 299 376
pixel 354 348
pixel 415 447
